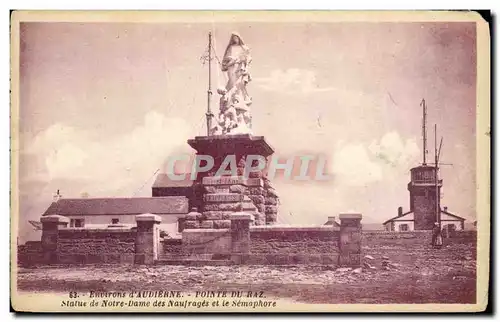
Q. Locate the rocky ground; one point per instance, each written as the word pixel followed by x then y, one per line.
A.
pixel 447 275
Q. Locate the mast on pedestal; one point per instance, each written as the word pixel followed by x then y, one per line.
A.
pixel 209 113
pixel 424 130
pixel 437 152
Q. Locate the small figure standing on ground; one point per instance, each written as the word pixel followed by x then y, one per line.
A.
pixel 437 238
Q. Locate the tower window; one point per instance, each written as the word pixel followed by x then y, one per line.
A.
pixel 115 221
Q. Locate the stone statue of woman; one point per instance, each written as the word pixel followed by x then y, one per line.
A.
pixel 234 116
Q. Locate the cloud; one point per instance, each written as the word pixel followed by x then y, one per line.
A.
pixel 394 151
pixel 292 80
pixel 359 169
pixel 108 165
pixel 356 164
pixel 353 166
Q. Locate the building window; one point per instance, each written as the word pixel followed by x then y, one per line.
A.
pixel 403 227
pixel 77 223
pixel 115 221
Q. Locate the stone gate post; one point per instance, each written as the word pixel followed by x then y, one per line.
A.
pixel 50 235
pixel 240 236
pixel 147 239
pixel 350 240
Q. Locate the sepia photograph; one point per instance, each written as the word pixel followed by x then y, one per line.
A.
pixel 250 161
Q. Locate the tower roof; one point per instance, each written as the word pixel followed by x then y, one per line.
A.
pixel 423 167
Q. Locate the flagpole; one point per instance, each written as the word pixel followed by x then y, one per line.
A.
pixel 438 219
pixel 209 113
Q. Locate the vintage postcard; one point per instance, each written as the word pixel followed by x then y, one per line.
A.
pixel 294 161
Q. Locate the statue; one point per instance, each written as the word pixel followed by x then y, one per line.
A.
pixel 234 115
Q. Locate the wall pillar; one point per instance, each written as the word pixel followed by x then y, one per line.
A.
pixel 148 239
pixel 182 223
pixel 240 236
pixel 50 235
pixel 350 240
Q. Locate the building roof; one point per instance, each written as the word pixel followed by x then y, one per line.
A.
pixel 409 212
pixel 119 206
pixel 453 215
pixel 331 222
pixel 164 181
pixel 389 220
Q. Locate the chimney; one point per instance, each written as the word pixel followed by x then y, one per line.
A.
pixel 400 211
pixel 57 196
pixel 445 208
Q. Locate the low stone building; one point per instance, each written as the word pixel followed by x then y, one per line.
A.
pixel 121 212
pixel 406 221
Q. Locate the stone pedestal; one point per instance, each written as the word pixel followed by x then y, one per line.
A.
pixel 350 240
pixel 50 235
pixel 217 197
pixel 147 241
pixel 270 203
pixel 193 219
pixel 240 236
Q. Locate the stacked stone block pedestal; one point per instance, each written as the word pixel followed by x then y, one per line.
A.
pixel 221 195
pixel 271 201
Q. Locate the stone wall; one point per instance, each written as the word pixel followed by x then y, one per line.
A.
pixel 84 246
pixel 206 241
pixel 406 247
pixel 380 238
pixel 242 243
pixel 399 247
pixel 417 238
pixel 294 245
pixel 171 246
pixel 293 239
pixel 247 243
pixel 62 245
pixel 461 237
pixel 30 253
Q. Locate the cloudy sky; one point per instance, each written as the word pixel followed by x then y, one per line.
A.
pixel 103 105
